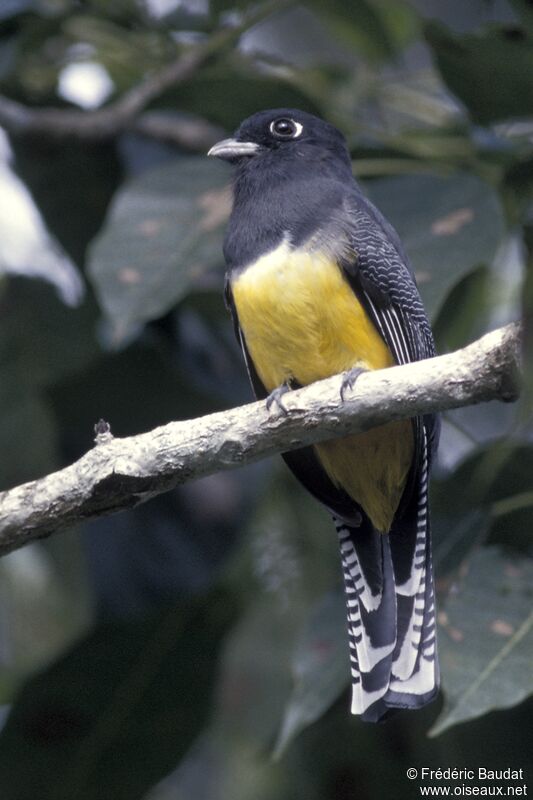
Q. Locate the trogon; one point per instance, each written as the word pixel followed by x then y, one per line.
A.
pixel 318 283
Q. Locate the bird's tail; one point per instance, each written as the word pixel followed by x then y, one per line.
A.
pixel 388 580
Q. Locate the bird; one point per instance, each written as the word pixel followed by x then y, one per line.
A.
pixel 318 284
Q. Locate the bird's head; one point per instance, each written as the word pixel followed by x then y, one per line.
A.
pixel 283 131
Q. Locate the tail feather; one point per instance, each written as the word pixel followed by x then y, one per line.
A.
pixel 415 678
pixel 371 614
pixel 391 624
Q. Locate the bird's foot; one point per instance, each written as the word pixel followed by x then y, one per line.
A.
pixel 275 397
pixel 349 379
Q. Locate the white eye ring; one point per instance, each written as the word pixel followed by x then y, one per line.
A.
pixel 298 128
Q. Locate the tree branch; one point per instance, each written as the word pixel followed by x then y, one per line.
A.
pixel 56 123
pixel 120 473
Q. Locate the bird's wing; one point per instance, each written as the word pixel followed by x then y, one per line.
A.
pixel 382 278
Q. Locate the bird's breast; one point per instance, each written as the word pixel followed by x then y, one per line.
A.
pixel 301 320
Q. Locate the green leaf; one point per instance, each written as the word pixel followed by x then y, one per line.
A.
pixel 449 226
pixel 486 639
pixel 490 72
pixel 162 239
pixel 320 668
pixel 117 712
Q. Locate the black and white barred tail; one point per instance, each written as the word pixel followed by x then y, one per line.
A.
pixel 388 581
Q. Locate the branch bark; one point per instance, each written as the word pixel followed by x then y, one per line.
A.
pixel 120 473
pixel 125 113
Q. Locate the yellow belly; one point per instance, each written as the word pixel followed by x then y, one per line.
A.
pixel 302 321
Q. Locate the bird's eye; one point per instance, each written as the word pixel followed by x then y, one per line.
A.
pixel 285 128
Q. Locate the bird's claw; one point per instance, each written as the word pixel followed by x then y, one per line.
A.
pixel 276 397
pixel 349 379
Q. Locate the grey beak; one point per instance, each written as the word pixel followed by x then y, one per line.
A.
pixel 229 149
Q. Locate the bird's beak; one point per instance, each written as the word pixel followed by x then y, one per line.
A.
pixel 230 149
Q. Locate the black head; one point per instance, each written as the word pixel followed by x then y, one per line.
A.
pixel 283 131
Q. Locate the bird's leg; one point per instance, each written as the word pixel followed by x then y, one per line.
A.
pixel 349 379
pixel 276 395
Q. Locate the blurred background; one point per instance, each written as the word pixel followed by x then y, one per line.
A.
pixel 196 646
